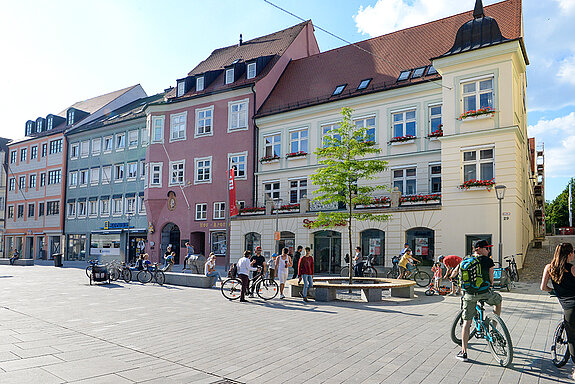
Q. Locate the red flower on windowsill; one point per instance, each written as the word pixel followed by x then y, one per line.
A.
pixel 252 209
pixel 478 183
pixel 479 112
pixel 296 154
pixel 417 198
pixel 267 159
pixel 438 132
pixel 399 139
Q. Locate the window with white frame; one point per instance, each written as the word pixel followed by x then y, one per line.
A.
pixel 42 179
pixel 238 161
pixel 13 157
pixel 404 123
pixel 251 72
pixel 74 151
pixel 12 184
pixel 143 169
pixel 156 174
pixel 119 172
pixel 141 205
pixel 238 115
pixel 73 179
pixel 96 146
pixel 272 190
pixel 204 121
pixel 54 177
pixel 145 135
pixel 93 208
pixel 10 212
pixel 120 141
pixel 23 154
pixel 158 129
pixel 117 206
pixel 31 209
pixel 20 210
pixel 108 143
pixel 297 190
pixel 83 177
pixel 32 181
pixel 94 176
pixel 203 170
pixel 177 172
pixel 181 88
pixel 327 131
pixel 132 170
pixel 178 126
pixel 229 76
pixel 52 208
pixel 133 138
pixel 131 205
pixel 298 140
pixel 369 124
pixel 34 152
pixel 85 148
pixel 71 210
pixel 435 178
pixel 81 208
pixel 477 94
pixel 272 145
pixel 201 211
pixel 219 210
pixel 405 180
pixel 199 83
pixel 478 164
pixel 435 123
pixel 104 207
pixel 22 182
pixel 106 174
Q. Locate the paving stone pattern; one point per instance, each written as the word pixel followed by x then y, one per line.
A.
pixel 56 328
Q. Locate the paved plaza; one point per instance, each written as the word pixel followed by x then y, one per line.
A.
pixel 56 328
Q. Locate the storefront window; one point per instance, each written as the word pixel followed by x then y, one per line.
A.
pixel 218 243
pixel 373 243
pixel 76 247
pixel 287 240
pixel 422 243
pixel 105 246
pixel 470 241
pixel 253 240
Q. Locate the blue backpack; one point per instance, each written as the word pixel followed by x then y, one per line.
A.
pixel 470 276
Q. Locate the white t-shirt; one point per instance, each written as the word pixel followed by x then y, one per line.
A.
pixel 282 264
pixel 209 265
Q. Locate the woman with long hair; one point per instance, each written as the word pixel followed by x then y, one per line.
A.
pixel 561 272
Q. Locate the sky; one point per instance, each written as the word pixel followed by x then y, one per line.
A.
pixel 55 53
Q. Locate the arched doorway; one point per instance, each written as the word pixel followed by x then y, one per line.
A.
pixel 198 241
pixel 422 242
pixel 171 235
pixel 327 252
pixel 373 243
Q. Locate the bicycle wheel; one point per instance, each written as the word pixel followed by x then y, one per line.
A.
pixel 231 289
pixel 114 274
pixel 267 289
pixel 393 274
pixel 514 272
pixel 144 276
pixel 344 272
pixel 429 292
pixel 499 340
pixel 560 349
pixel 89 270
pixel 456 328
pixel 422 278
pixel 160 277
pixel 126 275
pixel 370 272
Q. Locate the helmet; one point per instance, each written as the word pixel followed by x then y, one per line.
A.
pixel 441 257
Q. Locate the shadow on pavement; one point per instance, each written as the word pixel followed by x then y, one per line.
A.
pixel 5 277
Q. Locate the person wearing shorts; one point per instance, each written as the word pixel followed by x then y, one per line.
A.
pixel 283 263
pixel 451 262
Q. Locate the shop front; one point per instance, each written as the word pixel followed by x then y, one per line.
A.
pixel 327 246
pixel 422 243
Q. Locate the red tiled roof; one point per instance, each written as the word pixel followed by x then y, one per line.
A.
pixel 313 79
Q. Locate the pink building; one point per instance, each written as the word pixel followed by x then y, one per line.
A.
pixel 204 123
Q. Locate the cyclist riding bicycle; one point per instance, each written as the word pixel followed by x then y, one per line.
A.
pixel 406 264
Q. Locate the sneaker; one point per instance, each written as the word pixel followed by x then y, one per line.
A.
pixel 305 299
pixel 461 356
pixel 282 297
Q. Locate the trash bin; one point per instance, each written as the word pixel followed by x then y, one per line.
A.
pixel 57 259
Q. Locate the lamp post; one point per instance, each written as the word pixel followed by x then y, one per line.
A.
pixel 277 204
pixel 129 216
pixel 500 193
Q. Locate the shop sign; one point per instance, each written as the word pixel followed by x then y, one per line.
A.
pixel 108 225
pixel 375 247
pixel 308 223
pixel 104 251
pixel 421 246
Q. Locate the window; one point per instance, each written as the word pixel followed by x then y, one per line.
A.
pixel 44 149
pixel 29 129
pixel 42 179
pixel 431 70
pixel 145 133
pixel 74 151
pixel 218 242
pixel 71 210
pixel 229 76
pixel 157 129
pixel 54 177
pixel 177 172
pixel 201 211
pixel 93 207
pixel 40 209
pixel 328 131
pixel 23 154
pixel 339 89
pixel 10 211
pixel 272 145
pixel 119 172
pixel 369 124
pixel 477 94
pixel 435 178
pixel 405 180
pixel 143 169
pixel 52 208
pixel 181 88
pixel 404 75
pixel 81 208
pixel 219 210
pixel 120 141
pixel 418 72
pixel 70 117
pixel 13 157
pixel 272 190
pixel 96 146
pixel 251 72
pixel 239 161
pixel 203 170
pixel 55 146
pixel 435 118
pixel 132 170
pixel 131 205
pixel 85 148
pixel 94 176
pixel 20 211
pixel 199 83
pixel 33 152
pixel 297 190
pixel 156 174
pixel 478 165
pixel 104 207
pixel 133 139
pixel 363 84
pixel 141 205
pixel 22 182
pixel 106 174
pixel 31 208
pixel 32 181
pixel 12 184
pixel 204 121
pixel 298 141
pixel 73 179
pixel 108 143
pixel 117 206
pixel 50 123
pixel 83 175
pixel 404 123
pixel 178 126
pixel 238 118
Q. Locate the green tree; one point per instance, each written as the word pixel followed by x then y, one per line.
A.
pixel 557 211
pixel 347 159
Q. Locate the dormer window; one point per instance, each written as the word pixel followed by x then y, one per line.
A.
pixel 251 70
pixel 199 83
pixel 431 70
pixel 70 117
pixel 418 72
pixel 50 123
pixel 229 76
pixel 363 84
pixel 404 75
pixel 29 128
pixel 39 125
pixel 338 90
pixel 181 88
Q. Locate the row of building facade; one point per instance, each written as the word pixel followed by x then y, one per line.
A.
pixel 126 173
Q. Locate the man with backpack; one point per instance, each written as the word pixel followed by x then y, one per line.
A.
pixel 476 279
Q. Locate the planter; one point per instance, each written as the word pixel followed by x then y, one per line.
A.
pixel 296 155
pixel 478 117
pixel 252 213
pixel 410 141
pixel 269 161
pixel 372 206
pixel 479 114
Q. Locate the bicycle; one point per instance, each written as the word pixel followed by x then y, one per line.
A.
pixel 114 268
pixel 266 289
pixel 560 348
pixel 92 262
pixel 512 268
pixel 151 272
pixel 491 328
pixel 441 290
pixel 421 278
pixel 394 271
pixel 368 269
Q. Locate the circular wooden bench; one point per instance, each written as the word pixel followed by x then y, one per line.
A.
pixel 371 287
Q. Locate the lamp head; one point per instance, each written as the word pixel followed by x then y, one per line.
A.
pixel 500 191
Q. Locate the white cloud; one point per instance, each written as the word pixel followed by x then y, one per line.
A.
pixel 567 70
pixel 559 160
pixel 559 125
pixel 566 5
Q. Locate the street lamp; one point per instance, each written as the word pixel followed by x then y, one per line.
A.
pixel 500 193
pixel 129 216
pixel 277 205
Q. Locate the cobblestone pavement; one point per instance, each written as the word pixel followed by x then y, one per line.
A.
pixel 56 328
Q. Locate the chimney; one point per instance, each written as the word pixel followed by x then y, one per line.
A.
pixel 241 41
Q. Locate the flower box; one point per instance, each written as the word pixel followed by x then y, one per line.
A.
pixel 402 139
pixel 420 199
pixel 476 114
pixel 269 159
pixel 437 133
pixel 296 155
pixel 478 184
pixel 253 211
pixel 287 208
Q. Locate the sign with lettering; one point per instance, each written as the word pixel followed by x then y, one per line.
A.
pixel 308 223
pixel 108 225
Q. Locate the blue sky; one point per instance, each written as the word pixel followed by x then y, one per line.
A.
pixel 59 52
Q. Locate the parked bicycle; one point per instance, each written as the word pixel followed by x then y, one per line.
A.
pixel 441 290
pixel 491 328
pixel 394 271
pixel 266 289
pixel 368 268
pixel 150 273
pixel 91 263
pixel 512 268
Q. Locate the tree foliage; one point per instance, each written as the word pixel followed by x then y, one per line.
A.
pixel 557 211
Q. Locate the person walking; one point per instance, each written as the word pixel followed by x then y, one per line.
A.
pixel 190 253
pixel 296 257
pixel 244 267
pixel 305 271
pixel 210 268
pixel 283 262
pixel 358 262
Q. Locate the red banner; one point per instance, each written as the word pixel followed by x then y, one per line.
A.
pixel 232 191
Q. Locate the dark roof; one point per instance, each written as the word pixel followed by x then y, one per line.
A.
pixel 312 80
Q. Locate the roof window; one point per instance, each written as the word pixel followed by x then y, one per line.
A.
pixel 338 90
pixel 199 83
pixel 363 84
pixel 229 76
pixel 431 70
pixel 181 88
pixel 251 71
pixel 236 61
pixel 418 72
pixel 404 75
